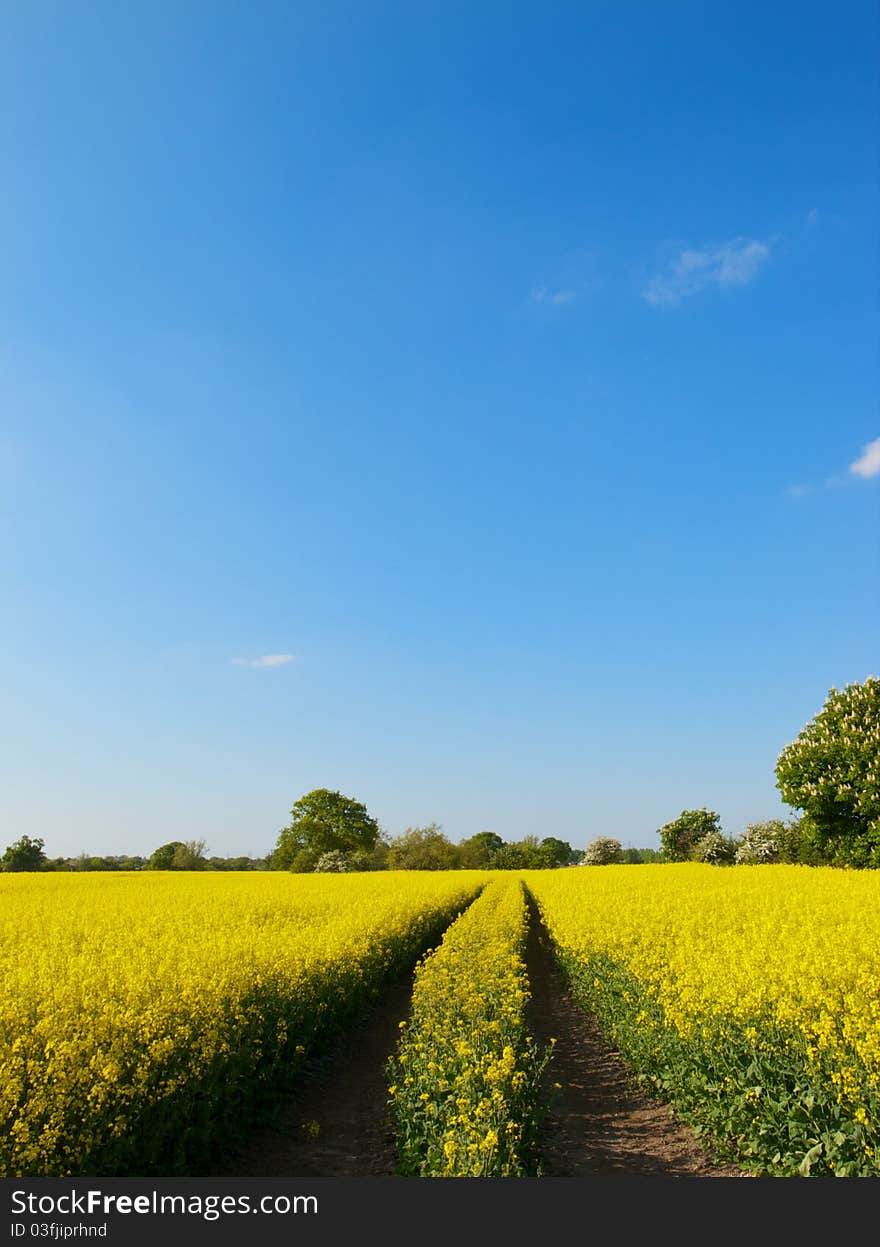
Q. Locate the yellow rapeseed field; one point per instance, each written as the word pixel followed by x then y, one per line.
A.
pixel 465 1078
pixel 141 1012
pixel 751 994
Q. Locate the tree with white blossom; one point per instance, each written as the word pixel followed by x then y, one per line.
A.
pixel 832 773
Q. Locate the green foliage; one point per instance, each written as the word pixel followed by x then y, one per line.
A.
pixel 638 857
pixel 603 851
pixel 24 854
pixel 832 773
pixel 558 852
pixel 236 863
pixel 302 862
pixel 530 853
pixel 798 843
pixel 522 854
pixel 422 848
pixel 85 861
pixel 162 858
pixel 478 852
pixel 680 837
pixel 323 822
pixel 189 856
pixel 375 858
pixel 179 855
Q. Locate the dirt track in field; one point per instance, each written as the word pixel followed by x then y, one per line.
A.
pixel 334 1123
pixel 600 1122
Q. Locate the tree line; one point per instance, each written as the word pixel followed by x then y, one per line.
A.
pixel 830 773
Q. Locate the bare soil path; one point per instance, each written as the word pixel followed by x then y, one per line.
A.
pixel 334 1123
pixel 600 1122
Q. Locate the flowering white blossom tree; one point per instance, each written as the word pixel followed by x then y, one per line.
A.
pixel 603 851
pixel 832 773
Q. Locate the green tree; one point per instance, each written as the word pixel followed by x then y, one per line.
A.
pixel 558 852
pixel 638 857
pixel 189 856
pixel 24 854
pixel 797 842
pixel 324 822
pixel 235 863
pixel 422 848
pixel 680 837
pixel 525 854
pixel 375 858
pixel 832 773
pixel 478 852
pixel 86 862
pixel 163 857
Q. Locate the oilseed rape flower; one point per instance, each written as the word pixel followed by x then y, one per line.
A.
pixel 749 998
pixel 143 1016
pixel 464 1081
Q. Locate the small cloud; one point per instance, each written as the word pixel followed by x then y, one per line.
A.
pixel 571 279
pixel 812 219
pixel 868 462
pixel 836 481
pixel 267 660
pixel 799 491
pixel 733 263
pixel 555 298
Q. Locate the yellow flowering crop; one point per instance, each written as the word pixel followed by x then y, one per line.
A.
pixel 750 997
pixel 141 1014
pixel 464 1082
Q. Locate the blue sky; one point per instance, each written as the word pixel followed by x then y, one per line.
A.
pixel 507 373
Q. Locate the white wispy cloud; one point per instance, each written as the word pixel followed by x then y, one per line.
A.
pixel 799 491
pixel 868 462
pixel 267 660
pixel 573 277
pixel 733 263
pixel 556 298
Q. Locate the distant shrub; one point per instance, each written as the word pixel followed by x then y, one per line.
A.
pixel 715 849
pixel 334 861
pixel 603 851
pixel 639 857
pixel 680 837
pixel 759 844
pixel 422 848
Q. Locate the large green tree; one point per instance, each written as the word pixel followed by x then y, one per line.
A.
pixel 832 773
pixel 478 852
pixel 422 848
pixel 324 822
pixel 163 857
pixel 25 854
pixel 190 856
pixel 530 853
pixel 558 852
